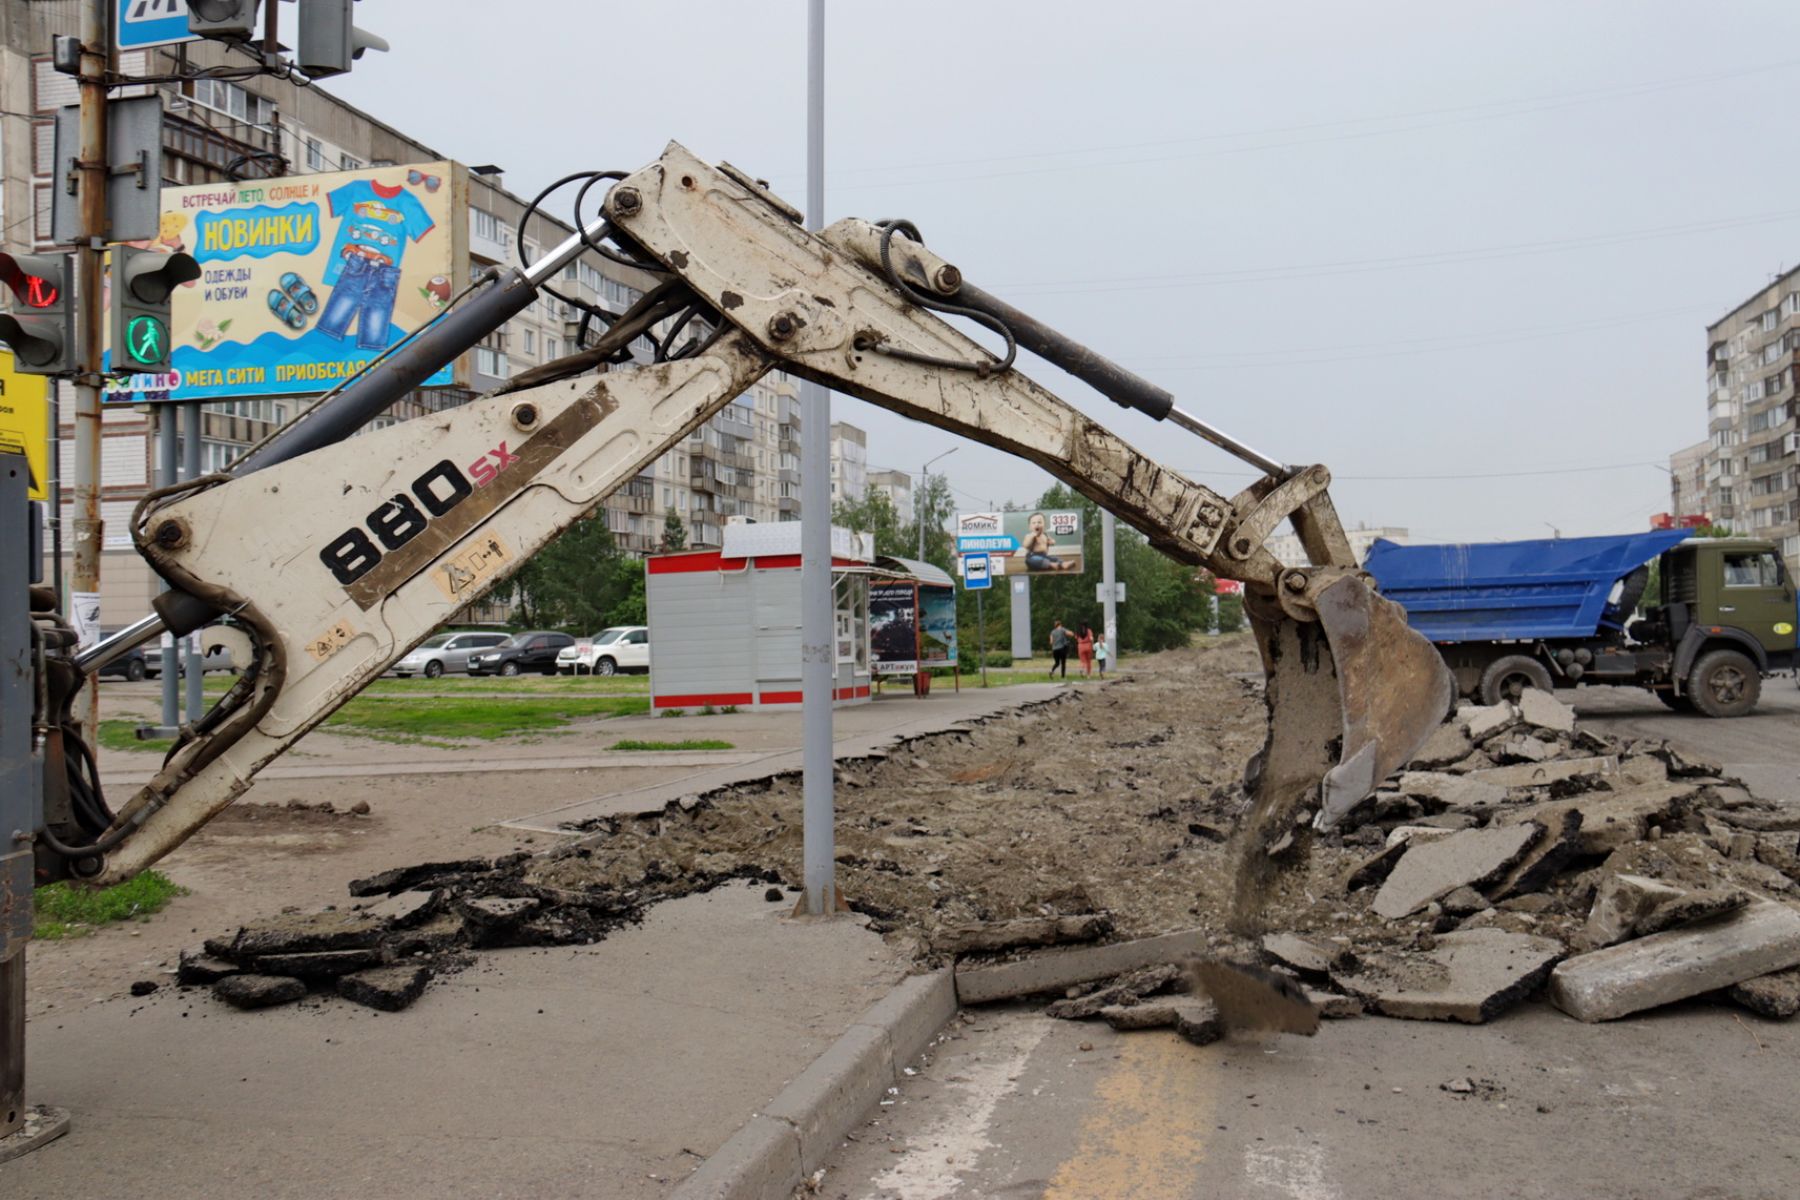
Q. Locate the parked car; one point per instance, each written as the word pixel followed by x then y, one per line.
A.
pixel 534 650
pixel 444 652
pixel 216 659
pixel 131 666
pixel 621 648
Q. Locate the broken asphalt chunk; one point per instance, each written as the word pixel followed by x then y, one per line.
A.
pixel 402 879
pixel 1470 975
pixel 1470 857
pixel 1665 967
pixel 1776 995
pixel 389 989
pixel 258 991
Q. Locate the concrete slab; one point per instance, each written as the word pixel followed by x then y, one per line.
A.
pixel 1609 820
pixel 1466 858
pixel 1453 791
pixel 1483 721
pixel 1051 972
pixel 604 1070
pixel 1541 710
pixel 1470 976
pixel 1538 774
pixel 1776 996
pixel 1665 967
pixel 1448 743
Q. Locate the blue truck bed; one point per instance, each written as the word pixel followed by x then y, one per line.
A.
pixel 1498 591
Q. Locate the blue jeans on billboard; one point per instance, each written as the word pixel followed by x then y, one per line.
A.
pixel 364 293
pixel 1043 562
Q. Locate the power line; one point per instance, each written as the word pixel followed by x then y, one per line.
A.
pixel 1198 472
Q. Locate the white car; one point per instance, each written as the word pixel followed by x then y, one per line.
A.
pixel 621 648
pixel 444 652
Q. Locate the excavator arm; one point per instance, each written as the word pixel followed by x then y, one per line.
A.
pixel 337 561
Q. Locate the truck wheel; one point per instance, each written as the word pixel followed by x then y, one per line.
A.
pixel 1724 683
pixel 1507 678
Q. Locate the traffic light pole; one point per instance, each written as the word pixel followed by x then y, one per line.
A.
pixel 89 533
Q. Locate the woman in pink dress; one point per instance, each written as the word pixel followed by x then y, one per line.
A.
pixel 1085 648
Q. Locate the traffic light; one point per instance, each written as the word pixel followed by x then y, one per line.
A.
pixel 41 326
pixel 329 40
pixel 228 20
pixel 142 281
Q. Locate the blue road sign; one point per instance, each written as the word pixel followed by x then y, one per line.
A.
pixel 153 23
pixel 977 575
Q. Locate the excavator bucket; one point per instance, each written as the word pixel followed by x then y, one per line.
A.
pixel 1351 698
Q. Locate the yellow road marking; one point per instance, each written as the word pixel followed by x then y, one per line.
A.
pixel 1147 1133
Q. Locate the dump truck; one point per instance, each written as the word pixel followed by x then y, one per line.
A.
pixel 1565 612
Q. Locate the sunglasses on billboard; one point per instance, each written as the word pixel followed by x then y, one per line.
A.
pixel 431 182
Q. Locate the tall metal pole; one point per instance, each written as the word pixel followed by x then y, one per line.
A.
pixel 1109 578
pixel 191 453
pixel 818 626
pixel 168 463
pixel 919 496
pixel 89 534
pixel 1021 617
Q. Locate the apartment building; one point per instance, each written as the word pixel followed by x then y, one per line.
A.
pixel 897 486
pixel 745 461
pixel 1751 476
pixel 849 462
pixel 1687 483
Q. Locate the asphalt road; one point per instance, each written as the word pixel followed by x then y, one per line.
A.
pixel 1693 1101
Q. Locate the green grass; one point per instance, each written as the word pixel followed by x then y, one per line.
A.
pixel 404 719
pixel 516 685
pixel 70 912
pixel 122 735
pixel 691 744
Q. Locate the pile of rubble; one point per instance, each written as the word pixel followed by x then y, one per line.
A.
pixel 416 923
pixel 1517 853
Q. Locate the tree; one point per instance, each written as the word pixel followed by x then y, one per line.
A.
pixel 581 582
pixel 875 514
pixel 674 531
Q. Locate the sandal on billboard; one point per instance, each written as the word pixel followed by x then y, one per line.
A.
pixel 301 294
pixel 284 306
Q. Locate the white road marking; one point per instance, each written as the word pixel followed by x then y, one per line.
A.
pixel 1297 1172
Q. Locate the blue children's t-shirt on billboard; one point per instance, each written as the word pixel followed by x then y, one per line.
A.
pixel 376 223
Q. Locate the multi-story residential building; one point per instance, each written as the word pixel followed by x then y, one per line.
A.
pixel 1752 465
pixel 1687 482
pixel 849 462
pixel 1287 548
pixel 897 486
pixel 745 460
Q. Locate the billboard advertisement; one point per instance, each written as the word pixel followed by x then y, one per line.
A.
pixel 25 423
pixel 893 629
pixel 304 278
pixel 937 626
pixel 1034 542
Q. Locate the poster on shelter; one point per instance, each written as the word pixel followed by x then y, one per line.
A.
pixel 937 626
pixel 305 278
pixel 1033 542
pixel 893 629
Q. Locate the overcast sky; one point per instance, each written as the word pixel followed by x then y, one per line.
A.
pixel 1463 254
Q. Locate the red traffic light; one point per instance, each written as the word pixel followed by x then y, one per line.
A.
pixel 32 290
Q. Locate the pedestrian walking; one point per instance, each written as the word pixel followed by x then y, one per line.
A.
pixel 1085 648
pixel 1059 650
pixel 1100 654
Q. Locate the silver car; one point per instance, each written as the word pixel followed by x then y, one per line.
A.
pixel 444 652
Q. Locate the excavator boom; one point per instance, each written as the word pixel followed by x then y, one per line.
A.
pixel 338 560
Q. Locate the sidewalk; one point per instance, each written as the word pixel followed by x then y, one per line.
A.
pixel 607 1070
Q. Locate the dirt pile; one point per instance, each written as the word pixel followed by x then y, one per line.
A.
pixel 1107 813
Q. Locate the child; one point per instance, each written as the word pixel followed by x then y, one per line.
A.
pixel 1100 653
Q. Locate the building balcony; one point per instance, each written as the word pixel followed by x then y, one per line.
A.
pixel 788 504
pixel 788 475
pixel 737 462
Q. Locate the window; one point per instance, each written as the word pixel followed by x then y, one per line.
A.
pixel 1752 569
pixel 484 224
pixel 530 341
pixel 1770 319
pixel 1772 352
pixel 315 155
pixel 490 362
pixel 347 163
pixel 552 347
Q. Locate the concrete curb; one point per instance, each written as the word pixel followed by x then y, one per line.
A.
pixel 767 1158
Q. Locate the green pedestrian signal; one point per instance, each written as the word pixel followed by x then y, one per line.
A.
pixel 142 282
pixel 146 341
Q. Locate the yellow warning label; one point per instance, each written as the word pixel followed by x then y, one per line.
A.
pixel 331 641
pixel 459 577
pixel 25 422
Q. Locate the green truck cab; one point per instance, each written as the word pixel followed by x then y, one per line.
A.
pixel 1728 613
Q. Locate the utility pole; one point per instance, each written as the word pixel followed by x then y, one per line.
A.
pixel 818 619
pixel 94 166
pixel 919 496
pixel 191 456
pixel 1109 580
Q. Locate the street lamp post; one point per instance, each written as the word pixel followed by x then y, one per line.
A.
pixel 919 497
